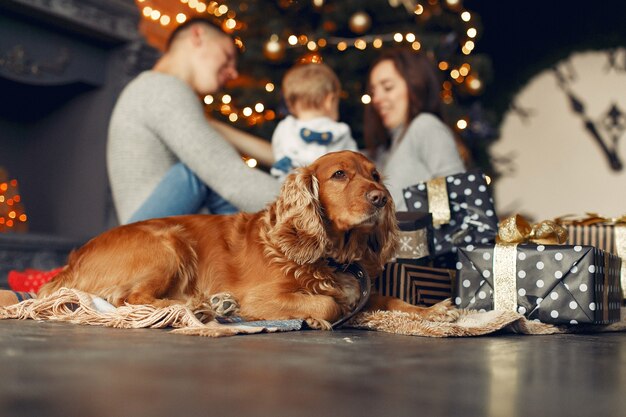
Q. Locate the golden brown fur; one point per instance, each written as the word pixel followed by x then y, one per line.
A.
pixel 274 262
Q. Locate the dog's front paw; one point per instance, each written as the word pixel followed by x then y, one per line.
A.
pixel 224 304
pixel 318 324
pixel 443 311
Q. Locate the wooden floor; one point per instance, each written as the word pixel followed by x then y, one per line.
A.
pixel 55 369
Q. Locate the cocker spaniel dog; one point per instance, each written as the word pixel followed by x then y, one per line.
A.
pixel 277 263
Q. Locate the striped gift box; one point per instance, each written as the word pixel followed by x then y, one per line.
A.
pixel 417 285
pixel 608 237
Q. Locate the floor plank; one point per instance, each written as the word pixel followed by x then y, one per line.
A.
pixel 58 369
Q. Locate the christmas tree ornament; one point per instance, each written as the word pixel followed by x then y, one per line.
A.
pixel 274 49
pixel 329 26
pixel 310 58
pixel 360 22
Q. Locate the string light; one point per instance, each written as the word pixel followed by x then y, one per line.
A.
pixel 12 215
pixel 230 24
pixel 276 48
pixel 360 44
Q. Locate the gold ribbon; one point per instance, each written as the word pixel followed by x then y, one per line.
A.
pixel 504 276
pixel 620 247
pixel 591 218
pixel 516 229
pixel 511 232
pixel 438 203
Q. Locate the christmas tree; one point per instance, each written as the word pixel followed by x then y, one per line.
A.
pixel 12 215
pixel 347 35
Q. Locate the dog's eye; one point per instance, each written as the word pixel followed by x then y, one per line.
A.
pixel 376 176
pixel 339 175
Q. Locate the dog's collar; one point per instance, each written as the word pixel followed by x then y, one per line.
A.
pixel 365 287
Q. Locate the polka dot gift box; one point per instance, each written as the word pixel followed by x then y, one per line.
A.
pixel 462 209
pixel 605 233
pixel 559 284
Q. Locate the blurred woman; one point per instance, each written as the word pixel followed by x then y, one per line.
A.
pixel 404 132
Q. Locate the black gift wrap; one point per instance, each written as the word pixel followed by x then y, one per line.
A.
pixel 416 238
pixel 473 218
pixel 559 284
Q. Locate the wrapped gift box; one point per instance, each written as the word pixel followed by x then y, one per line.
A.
pixel 462 209
pixel 417 285
pixel 609 237
pixel 416 237
pixel 560 284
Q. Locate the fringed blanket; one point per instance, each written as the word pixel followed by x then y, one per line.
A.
pixel 81 308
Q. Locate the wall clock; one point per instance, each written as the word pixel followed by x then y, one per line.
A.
pixel 607 128
pixel 562 147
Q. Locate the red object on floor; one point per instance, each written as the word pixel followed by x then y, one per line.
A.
pixel 30 280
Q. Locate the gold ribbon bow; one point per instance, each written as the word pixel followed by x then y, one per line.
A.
pixel 516 229
pixel 591 218
pixel 511 232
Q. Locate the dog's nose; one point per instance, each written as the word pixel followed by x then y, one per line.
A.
pixel 377 198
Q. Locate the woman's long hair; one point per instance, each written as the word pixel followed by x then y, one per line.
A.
pixel 424 87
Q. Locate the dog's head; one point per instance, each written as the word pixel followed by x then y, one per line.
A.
pixel 336 207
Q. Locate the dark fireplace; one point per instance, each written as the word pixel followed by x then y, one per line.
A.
pixel 62 65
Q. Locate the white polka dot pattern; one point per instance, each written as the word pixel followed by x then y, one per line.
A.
pixel 557 284
pixel 473 218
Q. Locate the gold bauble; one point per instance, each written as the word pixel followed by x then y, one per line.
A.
pixel 360 22
pixel 274 50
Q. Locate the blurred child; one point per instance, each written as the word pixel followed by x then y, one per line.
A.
pixel 311 92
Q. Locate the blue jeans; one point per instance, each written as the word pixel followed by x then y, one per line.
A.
pixel 181 192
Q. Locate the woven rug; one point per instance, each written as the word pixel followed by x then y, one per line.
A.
pixel 78 307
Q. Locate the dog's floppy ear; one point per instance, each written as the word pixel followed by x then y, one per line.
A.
pixel 384 240
pixel 299 230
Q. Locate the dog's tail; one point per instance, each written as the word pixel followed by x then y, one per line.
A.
pixel 62 279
